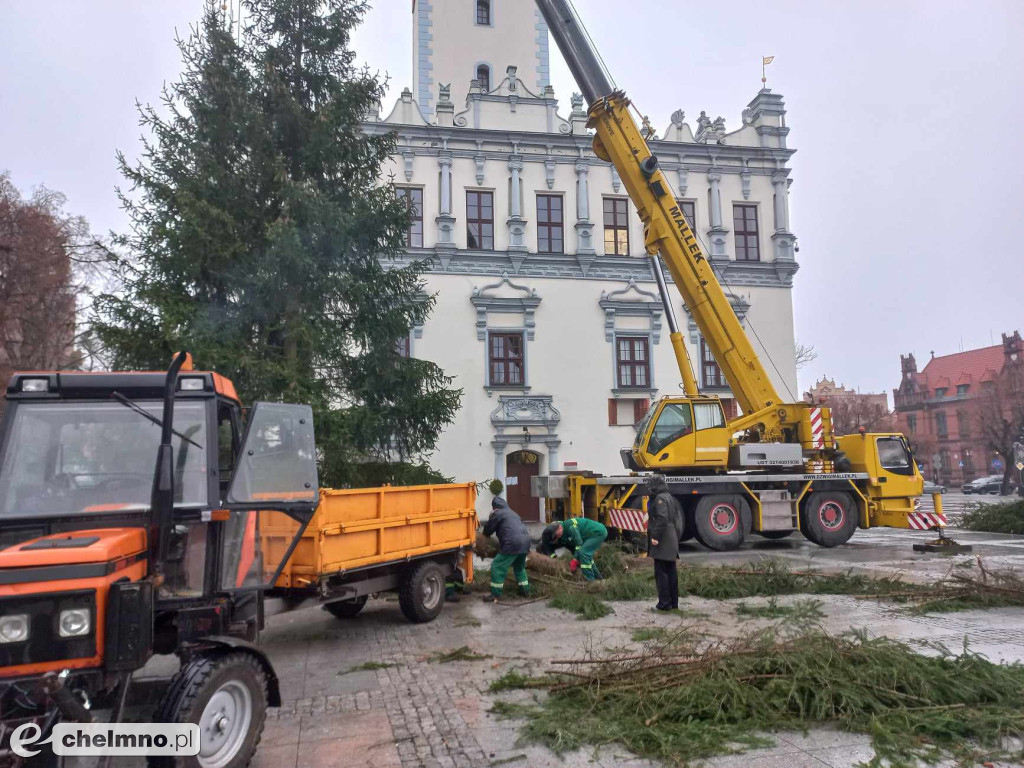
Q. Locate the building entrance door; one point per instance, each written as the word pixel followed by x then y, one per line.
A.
pixel 520 467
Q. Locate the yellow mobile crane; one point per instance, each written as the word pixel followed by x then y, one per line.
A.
pixel 778 467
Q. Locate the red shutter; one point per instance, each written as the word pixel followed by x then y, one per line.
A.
pixel 640 409
pixel 729 406
pixel 613 412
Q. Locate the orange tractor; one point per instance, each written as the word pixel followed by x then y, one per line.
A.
pixel 128 528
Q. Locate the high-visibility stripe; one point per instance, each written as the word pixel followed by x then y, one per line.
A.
pixel 524 583
pixel 497 586
pixel 587 567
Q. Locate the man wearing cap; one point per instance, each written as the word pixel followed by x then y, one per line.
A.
pixel 581 536
pixel 514 545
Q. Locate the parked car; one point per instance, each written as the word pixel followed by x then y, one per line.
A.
pixel 990 484
pixel 930 488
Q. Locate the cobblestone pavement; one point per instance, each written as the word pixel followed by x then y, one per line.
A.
pixel 413 712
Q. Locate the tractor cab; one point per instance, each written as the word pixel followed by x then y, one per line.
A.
pixel 129 526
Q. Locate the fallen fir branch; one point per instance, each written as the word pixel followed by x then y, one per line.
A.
pixel 690 700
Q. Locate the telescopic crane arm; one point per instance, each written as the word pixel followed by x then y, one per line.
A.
pixel 619 141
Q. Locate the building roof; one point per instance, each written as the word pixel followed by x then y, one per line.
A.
pixel 970 367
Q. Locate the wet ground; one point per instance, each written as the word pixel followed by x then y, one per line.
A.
pixel 412 712
pixel 421 713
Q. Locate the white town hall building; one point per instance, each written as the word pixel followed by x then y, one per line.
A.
pixel 547 314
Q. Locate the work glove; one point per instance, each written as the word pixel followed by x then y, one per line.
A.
pixel 574 565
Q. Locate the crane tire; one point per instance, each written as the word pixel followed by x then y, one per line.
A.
pixel 828 518
pixel 721 521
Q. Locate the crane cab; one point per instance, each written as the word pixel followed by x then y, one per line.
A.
pixel 689 432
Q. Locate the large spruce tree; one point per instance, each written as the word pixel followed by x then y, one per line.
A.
pixel 264 242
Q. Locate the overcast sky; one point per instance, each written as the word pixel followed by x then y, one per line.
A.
pixel 906 116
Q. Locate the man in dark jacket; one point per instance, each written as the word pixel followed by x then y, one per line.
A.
pixel 514 545
pixel 664 527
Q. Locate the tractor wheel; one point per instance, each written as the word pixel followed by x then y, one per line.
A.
pixel 421 595
pixel 226 696
pixel 346 609
pixel 829 518
pixel 721 521
pixel 775 535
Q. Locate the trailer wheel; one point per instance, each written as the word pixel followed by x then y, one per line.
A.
pixel 346 609
pixel 775 535
pixel 721 521
pixel 226 696
pixel 829 518
pixel 421 594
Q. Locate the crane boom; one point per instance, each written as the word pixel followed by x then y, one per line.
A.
pixel 667 233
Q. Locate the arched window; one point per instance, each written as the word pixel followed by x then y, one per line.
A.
pixel 483 12
pixel 483 76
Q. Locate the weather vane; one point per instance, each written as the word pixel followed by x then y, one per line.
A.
pixel 765 61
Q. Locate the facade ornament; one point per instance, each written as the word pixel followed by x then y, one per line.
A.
pixel 681 176
pixel 480 160
pixel 513 81
pixel 745 180
pixel 577 102
pixel 616 181
pixel 631 301
pixel 444 91
pixel 526 304
pixel 677 118
pixel 407 158
pixel 719 125
pixel 549 170
pixel 648 129
pixel 703 125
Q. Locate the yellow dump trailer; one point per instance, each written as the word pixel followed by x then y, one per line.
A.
pixel 365 541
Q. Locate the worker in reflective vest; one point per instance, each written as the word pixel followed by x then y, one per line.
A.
pixel 581 536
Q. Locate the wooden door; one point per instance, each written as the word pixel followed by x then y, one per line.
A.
pixel 520 467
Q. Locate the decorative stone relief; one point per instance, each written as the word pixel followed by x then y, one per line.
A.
pixel 526 410
pixel 549 170
pixel 616 181
pixel 526 304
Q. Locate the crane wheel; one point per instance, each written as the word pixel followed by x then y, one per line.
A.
pixel 721 521
pixel 828 518
pixel 689 527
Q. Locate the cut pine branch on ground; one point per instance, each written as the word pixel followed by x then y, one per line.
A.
pixel 631 578
pixel 682 699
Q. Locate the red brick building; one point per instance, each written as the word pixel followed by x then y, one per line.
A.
pixel 937 408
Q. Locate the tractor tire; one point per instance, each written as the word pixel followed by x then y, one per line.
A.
pixel 421 594
pixel 775 535
pixel 721 521
pixel 225 694
pixel 346 609
pixel 829 518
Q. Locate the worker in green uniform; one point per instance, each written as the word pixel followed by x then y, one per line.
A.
pixel 581 536
pixel 514 545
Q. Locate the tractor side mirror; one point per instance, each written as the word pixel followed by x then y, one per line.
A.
pixel 277 461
